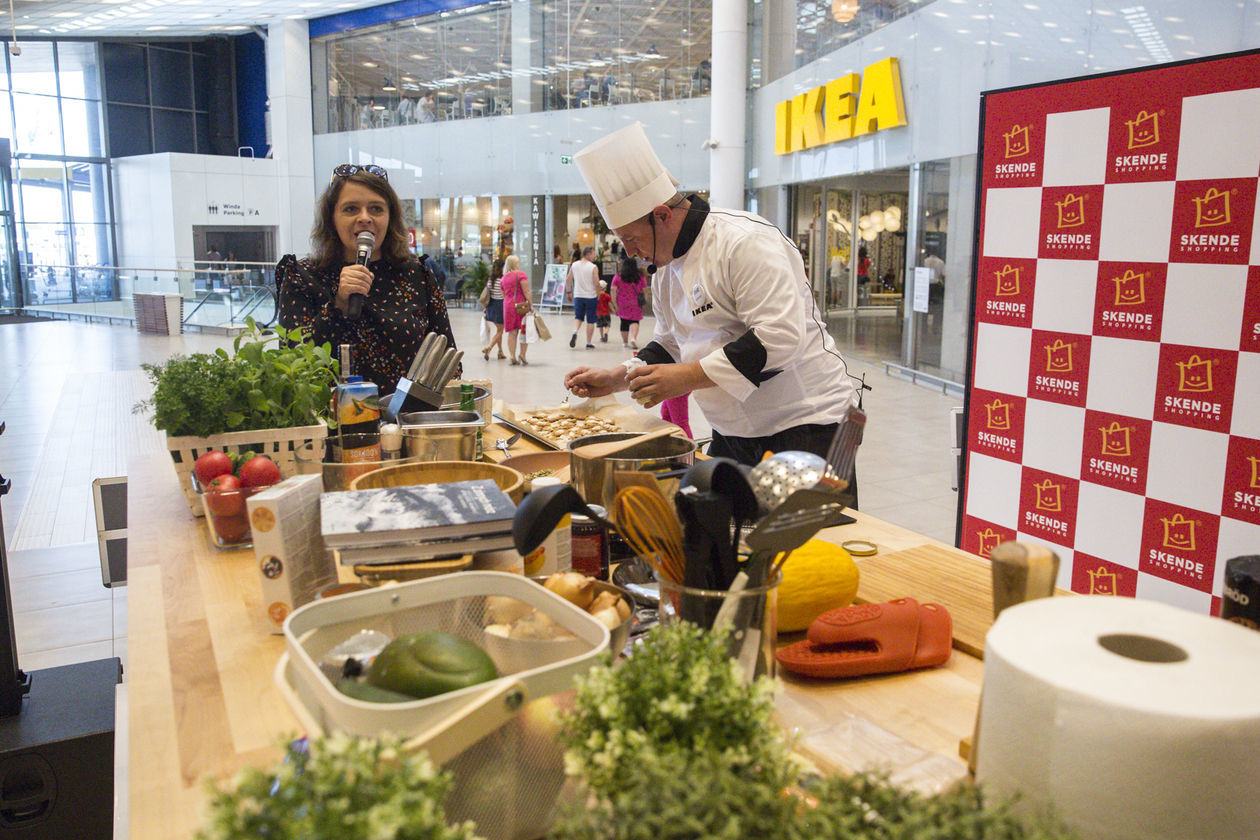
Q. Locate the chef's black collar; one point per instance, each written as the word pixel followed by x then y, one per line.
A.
pixel 696 214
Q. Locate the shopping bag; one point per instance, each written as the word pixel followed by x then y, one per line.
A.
pixel 531 329
pixel 540 326
pixel 485 330
pixel 484 297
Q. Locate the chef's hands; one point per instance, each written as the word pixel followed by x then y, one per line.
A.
pixel 588 382
pixel 651 385
pixel 355 279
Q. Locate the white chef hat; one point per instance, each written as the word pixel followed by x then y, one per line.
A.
pixel 624 175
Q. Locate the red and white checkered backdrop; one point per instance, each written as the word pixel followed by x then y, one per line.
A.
pixel 1114 407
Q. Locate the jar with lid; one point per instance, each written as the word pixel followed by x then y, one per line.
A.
pixel 555 552
pixel 590 544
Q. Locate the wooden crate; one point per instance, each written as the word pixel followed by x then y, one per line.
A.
pixel 277 444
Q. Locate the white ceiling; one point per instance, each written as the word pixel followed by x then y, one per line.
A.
pixel 158 18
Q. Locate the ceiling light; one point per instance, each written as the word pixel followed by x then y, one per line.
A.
pixel 389 84
pixel 369 64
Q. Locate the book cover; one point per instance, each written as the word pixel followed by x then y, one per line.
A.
pixel 416 512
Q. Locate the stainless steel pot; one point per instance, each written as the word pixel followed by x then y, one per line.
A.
pixel 594 478
pixel 453 433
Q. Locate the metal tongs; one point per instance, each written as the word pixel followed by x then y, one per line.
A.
pixel 422 388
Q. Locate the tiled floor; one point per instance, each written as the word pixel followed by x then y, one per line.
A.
pixel 67 391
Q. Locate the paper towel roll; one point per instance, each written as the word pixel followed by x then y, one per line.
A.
pixel 1133 719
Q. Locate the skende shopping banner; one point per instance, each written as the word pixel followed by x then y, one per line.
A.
pixel 1113 412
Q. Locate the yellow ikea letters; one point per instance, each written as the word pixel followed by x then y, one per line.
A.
pixel 847 107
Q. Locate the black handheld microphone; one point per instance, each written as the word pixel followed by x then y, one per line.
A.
pixel 364 243
pixel 651 269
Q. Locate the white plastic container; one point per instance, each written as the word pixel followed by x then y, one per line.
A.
pixel 507 779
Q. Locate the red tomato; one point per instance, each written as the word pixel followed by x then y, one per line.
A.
pixel 223 496
pixel 211 465
pixel 259 471
pixel 231 529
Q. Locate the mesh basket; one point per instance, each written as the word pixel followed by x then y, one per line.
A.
pixel 497 738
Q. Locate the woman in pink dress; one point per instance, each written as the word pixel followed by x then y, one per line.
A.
pixel 626 287
pixel 515 284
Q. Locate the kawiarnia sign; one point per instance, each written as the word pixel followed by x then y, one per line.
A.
pixel 847 107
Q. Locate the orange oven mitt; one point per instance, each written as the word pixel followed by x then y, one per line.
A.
pixel 872 639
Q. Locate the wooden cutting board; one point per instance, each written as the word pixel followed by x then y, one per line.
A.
pixel 962 582
pixel 959 581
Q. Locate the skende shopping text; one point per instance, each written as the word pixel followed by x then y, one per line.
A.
pixel 1006 306
pixel 1056 384
pixel 1138 318
pixel 1069 238
pixel 1164 558
pixel 1209 240
pixel 1242 499
pixel 1187 404
pixel 1044 521
pixel 1124 161
pixel 1099 465
pixel 1016 168
pixel 997 440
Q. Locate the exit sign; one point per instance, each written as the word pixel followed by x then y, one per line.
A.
pixel 565 160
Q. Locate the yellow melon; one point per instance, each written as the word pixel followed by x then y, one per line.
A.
pixel 817 577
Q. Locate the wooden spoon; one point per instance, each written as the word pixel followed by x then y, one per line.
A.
pixel 603 450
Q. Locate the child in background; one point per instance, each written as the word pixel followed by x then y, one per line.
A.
pixel 675 410
pixel 603 311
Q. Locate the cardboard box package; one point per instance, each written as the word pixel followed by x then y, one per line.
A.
pixel 293 564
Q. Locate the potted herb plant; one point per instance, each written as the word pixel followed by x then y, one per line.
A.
pixel 270 395
pixel 336 787
pixel 673 745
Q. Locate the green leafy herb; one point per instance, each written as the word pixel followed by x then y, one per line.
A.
pixel 674 746
pixel 680 691
pixel 274 379
pixel 338 787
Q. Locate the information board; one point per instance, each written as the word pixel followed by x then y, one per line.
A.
pixel 553 286
pixel 1113 412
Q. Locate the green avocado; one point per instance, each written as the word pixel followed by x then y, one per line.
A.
pixel 427 664
pixel 359 690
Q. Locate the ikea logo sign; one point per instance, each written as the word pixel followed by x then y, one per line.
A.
pixel 847 107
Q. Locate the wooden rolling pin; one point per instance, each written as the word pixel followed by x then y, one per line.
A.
pixel 1021 572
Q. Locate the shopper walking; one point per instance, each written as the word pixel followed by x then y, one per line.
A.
pixel 629 287
pixel 494 310
pixel 583 278
pixel 517 302
pixel 603 312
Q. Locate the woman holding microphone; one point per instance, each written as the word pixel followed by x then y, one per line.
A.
pixel 384 308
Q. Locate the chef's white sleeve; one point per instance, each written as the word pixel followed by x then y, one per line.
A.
pixel 765 279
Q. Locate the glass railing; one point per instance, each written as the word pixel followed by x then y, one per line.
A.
pixel 213 298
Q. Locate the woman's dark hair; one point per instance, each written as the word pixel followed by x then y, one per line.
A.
pixel 496 270
pixel 629 270
pixel 328 252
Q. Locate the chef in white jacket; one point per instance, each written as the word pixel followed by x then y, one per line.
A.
pixel 736 322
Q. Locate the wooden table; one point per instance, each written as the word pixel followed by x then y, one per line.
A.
pixel 202 701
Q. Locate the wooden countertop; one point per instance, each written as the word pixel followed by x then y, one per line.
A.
pixel 202 653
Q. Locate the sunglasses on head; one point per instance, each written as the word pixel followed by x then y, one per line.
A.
pixel 353 169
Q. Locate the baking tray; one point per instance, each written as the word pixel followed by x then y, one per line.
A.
pixel 525 431
pixel 630 417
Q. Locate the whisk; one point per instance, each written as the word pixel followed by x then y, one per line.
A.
pixel 652 529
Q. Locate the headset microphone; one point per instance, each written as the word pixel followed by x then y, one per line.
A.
pixel 651 269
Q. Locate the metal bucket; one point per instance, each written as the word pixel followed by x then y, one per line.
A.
pixel 593 478
pixel 452 433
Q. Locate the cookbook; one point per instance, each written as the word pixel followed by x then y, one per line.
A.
pixel 423 512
